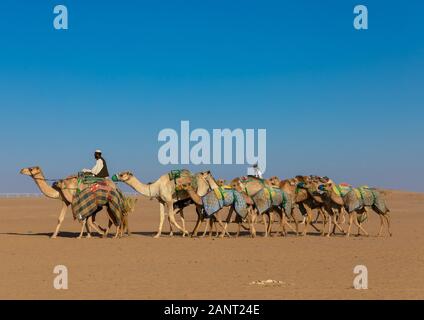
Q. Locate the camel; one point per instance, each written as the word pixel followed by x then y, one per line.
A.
pixel 249 187
pixel 360 199
pixel 68 188
pixel 336 200
pixel 216 185
pixel 50 192
pixel 164 190
pixel 332 209
pixel 300 197
pixel 198 202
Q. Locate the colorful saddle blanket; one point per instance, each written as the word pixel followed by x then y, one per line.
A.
pixel 267 198
pixel 342 189
pixel 361 197
pixel 218 198
pixel 91 200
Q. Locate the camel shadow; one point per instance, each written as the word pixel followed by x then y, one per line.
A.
pixel 62 234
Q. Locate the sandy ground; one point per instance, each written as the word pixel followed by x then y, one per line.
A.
pixel 140 267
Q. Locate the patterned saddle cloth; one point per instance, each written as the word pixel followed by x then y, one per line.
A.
pixel 219 198
pixel 91 200
pixel 361 197
pixel 269 197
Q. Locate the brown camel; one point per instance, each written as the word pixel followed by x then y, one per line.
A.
pixel 51 192
pixel 332 209
pixel 335 199
pixel 68 188
pixel 164 190
pixel 362 198
pixel 249 187
pixel 300 197
pixel 249 204
pixel 216 218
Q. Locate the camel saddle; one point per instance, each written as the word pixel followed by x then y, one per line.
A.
pixel 218 198
pixel 93 198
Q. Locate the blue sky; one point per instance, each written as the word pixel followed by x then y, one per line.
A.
pixel 335 101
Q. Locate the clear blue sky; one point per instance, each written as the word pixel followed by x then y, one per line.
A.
pixel 335 101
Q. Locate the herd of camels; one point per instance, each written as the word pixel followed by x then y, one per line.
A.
pixel 308 194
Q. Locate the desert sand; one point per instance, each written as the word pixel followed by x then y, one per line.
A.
pixel 140 267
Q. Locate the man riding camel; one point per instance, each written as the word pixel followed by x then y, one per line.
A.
pixel 100 168
pixel 257 171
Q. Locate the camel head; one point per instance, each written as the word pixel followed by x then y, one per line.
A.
pixel 220 182
pixel 235 184
pixel 124 176
pixel 310 186
pixel 184 186
pixel 207 175
pixel 31 171
pixel 325 187
pixel 274 181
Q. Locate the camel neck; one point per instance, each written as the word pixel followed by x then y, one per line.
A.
pixel 68 194
pixel 148 190
pixel 212 183
pixel 336 198
pixel 47 190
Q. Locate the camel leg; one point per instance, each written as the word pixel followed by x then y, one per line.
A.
pixel 381 225
pixel 171 215
pixel 254 217
pixel 360 227
pixel 286 222
pixel 198 222
pixel 118 230
pixel 211 225
pixel 183 222
pixel 307 221
pixel 283 225
pixel 336 224
pixel 311 222
pixel 162 218
pixel 127 226
pixel 325 220
pixel 109 225
pixel 93 225
pixel 354 218
pixel 83 224
pixel 60 219
pixel 271 221
pixel 87 227
pixel 296 223
pixel 171 231
pixel 224 231
pixel 387 217
pixel 227 221
pixel 351 216
pixel 265 222
pixel 208 225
